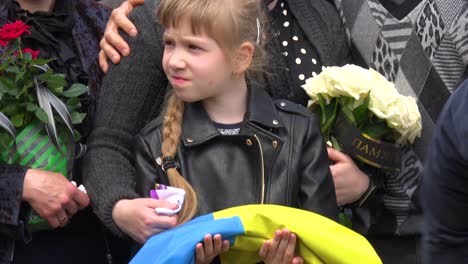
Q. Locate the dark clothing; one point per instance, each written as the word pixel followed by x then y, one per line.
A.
pixel 133 92
pixel 81 24
pixel 421 47
pixel 299 56
pixel 279 157
pixel 445 185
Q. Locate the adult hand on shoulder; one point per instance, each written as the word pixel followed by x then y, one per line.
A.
pixel 350 182
pixel 138 218
pixel 52 196
pixel 112 41
pixel 211 247
pixel 280 249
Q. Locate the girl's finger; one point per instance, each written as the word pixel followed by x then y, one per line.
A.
pixel 200 253
pixel 291 247
pixel 208 245
pixel 264 249
pixel 226 245
pixel 217 243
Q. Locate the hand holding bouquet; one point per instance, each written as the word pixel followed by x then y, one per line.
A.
pixel 363 114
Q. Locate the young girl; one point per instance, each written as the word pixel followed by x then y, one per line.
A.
pixel 223 139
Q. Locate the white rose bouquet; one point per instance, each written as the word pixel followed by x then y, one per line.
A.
pixel 363 114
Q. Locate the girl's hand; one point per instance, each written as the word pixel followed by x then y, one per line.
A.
pixel 280 250
pixel 350 182
pixel 211 247
pixel 138 218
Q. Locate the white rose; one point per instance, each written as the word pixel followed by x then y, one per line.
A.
pixel 319 84
pixel 382 96
pixel 349 80
pixel 405 118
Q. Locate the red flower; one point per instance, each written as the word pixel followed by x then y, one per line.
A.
pixel 34 53
pixel 12 31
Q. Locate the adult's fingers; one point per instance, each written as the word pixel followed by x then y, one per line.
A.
pixel 81 198
pixel 336 155
pixel 62 218
pixel 109 50
pixel 71 208
pixel 103 61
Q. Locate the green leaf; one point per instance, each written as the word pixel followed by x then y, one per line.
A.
pixel 41 115
pixel 55 81
pixel 344 220
pixel 19 76
pixel 348 114
pixel 12 69
pixel 77 117
pixel 76 89
pixel 17 120
pixel 31 107
pixel 361 113
pixel 377 130
pixel 77 135
pixel 39 62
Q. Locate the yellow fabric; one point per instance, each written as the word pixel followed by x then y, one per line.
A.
pixel 320 240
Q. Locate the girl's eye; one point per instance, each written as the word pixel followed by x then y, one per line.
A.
pixel 193 47
pixel 168 43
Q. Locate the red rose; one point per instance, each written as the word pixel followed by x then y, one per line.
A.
pixel 34 53
pixel 12 31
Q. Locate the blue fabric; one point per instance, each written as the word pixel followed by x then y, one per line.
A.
pixel 445 185
pixel 178 245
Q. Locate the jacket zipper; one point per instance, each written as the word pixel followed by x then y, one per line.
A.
pixel 12 252
pixel 262 196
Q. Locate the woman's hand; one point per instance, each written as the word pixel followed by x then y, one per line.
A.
pixel 211 247
pixel 350 182
pixel 139 220
pixel 112 41
pixel 280 250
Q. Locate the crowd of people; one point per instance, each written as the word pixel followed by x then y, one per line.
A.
pixel 207 95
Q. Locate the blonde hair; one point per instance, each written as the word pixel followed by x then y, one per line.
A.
pixel 230 23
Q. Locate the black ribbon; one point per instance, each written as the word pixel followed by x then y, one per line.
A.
pixel 169 163
pixel 369 150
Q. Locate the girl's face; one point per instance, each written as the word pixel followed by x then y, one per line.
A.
pixel 196 66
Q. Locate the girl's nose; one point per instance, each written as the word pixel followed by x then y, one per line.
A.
pixel 176 60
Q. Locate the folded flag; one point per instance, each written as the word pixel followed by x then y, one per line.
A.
pixel 319 239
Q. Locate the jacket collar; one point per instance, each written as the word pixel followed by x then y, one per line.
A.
pixel 197 126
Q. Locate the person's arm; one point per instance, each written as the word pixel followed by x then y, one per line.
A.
pixel 12 220
pixel 131 94
pixel 445 185
pixel 113 44
pixel 317 193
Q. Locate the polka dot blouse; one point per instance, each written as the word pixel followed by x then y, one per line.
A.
pixel 300 56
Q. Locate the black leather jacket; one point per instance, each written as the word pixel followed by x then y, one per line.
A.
pixel 279 157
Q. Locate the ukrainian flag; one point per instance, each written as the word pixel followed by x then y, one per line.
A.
pixel 320 240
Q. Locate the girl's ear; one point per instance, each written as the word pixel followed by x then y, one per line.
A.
pixel 244 57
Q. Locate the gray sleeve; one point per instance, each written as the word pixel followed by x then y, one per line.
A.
pixel 132 93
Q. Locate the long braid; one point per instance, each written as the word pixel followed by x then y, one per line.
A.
pixel 172 129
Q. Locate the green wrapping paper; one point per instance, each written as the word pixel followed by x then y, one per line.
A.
pixel 34 149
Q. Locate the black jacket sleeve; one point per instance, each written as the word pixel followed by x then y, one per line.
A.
pixel 317 191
